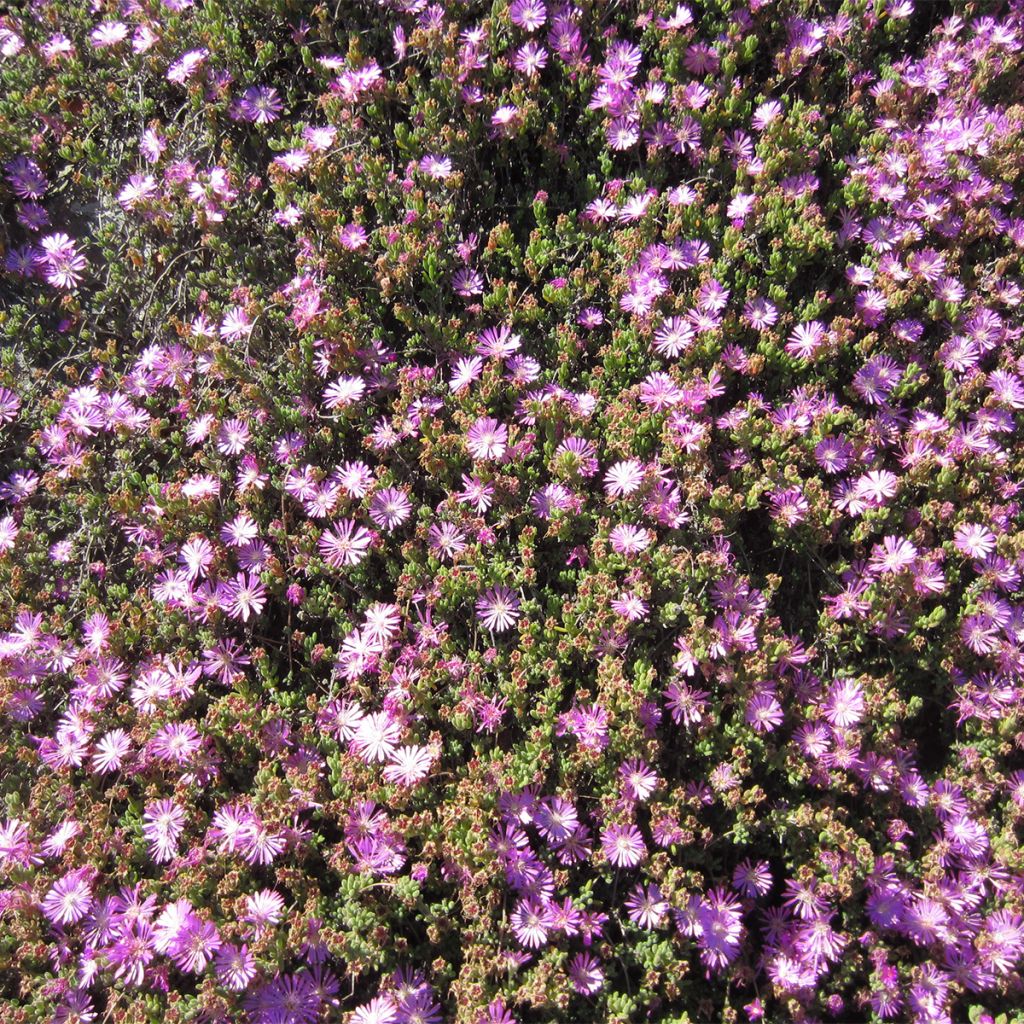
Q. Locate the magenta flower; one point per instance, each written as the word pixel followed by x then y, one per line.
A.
pixel 345 543
pixel 627 539
pixel 585 974
pixel 531 922
pixel 176 741
pixel 195 944
pixel 528 15
pixel 390 507
pixel 246 596
pixel 719 919
pixel 498 609
pixel 623 845
pixel 844 703
pixel 974 540
pixel 409 765
pixel 353 236
pixel 110 751
pixel 261 105
pixel 344 392
pixel 764 712
pixel 60 261
pixel 164 822
pixel 624 478
pixel 752 879
pixel 233 437
pixel 69 899
pixel 263 909
pixel 646 906
pixel 235 966
pixel 376 737
pixel 487 439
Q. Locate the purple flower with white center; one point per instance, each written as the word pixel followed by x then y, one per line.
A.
pixel 806 339
pixel 69 899
pixel 844 703
pixel 586 974
pixel 764 712
pixel 623 845
pixel 719 919
pixel 60 261
pixel 752 878
pixel 235 325
pixel 233 437
pixel 974 540
pixel 390 508
pixel 760 313
pixel 344 392
pixel 556 818
pixel 344 544
pixel 531 922
pixel 263 909
pixel 352 237
pixel 261 104
pixel 376 737
pixel 628 539
pixel 646 906
pixel 164 821
pixel 194 944
pixel 498 609
pixel 528 15
pixel 235 966
pixel 487 439
pixel 624 478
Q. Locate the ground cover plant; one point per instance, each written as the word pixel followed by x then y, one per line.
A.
pixel 511 512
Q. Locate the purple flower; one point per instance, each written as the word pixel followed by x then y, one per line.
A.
pixel 623 845
pixel 585 974
pixel 498 609
pixel 531 922
pixel 720 929
pixel 390 507
pixel 646 906
pixel 69 899
pixel 235 966
pixel 164 822
pixel 260 104
pixel 345 543
pixel 60 261
pixel 487 439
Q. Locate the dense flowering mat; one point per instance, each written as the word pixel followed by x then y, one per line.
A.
pixel 511 512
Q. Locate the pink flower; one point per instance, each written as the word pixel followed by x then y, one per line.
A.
pixel 60 261
pixel 487 439
pixel 409 765
pixel 531 922
pixel 235 966
pixel 390 508
pixel 343 392
pixel 498 609
pixel 164 823
pixel 352 236
pixel 627 539
pixel 623 845
pixel 646 906
pixel 585 974
pixel 246 596
pixel 69 899
pixel 263 909
pixel 974 540
pixel 345 543
pixel 623 478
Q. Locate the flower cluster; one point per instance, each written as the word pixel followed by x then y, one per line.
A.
pixel 511 514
